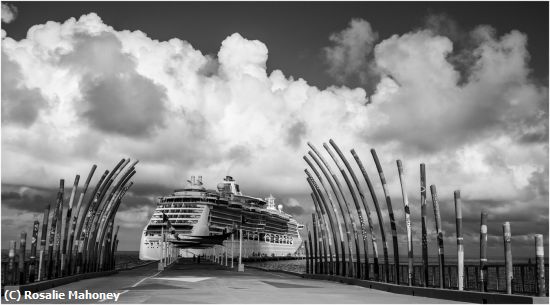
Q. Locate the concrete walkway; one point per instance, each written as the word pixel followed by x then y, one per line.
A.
pixel 187 282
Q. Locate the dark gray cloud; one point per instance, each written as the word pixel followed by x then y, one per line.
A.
pixel 20 105
pixel 116 99
pixel 26 198
pixel 296 133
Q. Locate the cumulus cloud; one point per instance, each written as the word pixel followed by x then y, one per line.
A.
pixel 9 13
pixel 348 55
pixel 81 92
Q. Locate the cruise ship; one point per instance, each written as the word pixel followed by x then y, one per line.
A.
pixel 201 218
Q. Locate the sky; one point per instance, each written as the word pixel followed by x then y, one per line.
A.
pixel 240 88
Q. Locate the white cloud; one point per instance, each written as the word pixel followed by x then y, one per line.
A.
pixel 9 13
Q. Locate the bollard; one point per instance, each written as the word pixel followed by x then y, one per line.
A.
pixel 507 235
pixel 32 271
pixel 423 215
pixel 410 270
pixel 22 248
pixel 440 249
pixel 541 284
pixel 459 240
pixel 11 263
pixel 483 253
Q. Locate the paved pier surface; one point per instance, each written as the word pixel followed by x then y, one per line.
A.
pixel 186 282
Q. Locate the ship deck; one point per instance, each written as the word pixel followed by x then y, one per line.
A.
pixel 188 282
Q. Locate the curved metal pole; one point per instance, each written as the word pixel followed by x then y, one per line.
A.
pixel 366 210
pixel 110 213
pixel 110 202
pixel 89 244
pixel 53 228
pixel 335 211
pixel 86 213
pixel 334 190
pixel 315 244
pixel 324 235
pixel 378 212
pixel 392 217
pixel 64 269
pixel 75 219
pixel 410 272
pixel 323 207
pixel 357 208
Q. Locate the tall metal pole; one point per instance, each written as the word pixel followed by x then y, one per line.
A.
pixel 335 189
pixel 32 270
pixel 44 235
pixel 483 252
pixel 324 228
pixel 423 217
pixel 11 264
pixel 335 214
pixel 367 213
pixel 311 254
pixel 308 269
pixel 54 227
pixel 59 235
pixel 440 248
pixel 22 249
pixel 410 273
pixel 315 248
pixel 232 248
pixel 507 235
pixel 357 206
pixel 64 259
pixel 331 226
pixel 459 240
pixel 541 283
pixel 378 214
pixel 390 212
pixel 75 219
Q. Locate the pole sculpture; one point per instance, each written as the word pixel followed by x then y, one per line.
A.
pixel 335 215
pixel 355 202
pixel 459 240
pixel 423 215
pixel 308 269
pixel 22 249
pixel 32 264
pixel 541 283
pixel 75 219
pixel 58 237
pixel 315 245
pixel 366 210
pixel 11 263
pixel 43 237
pixel 64 269
pixel 483 252
pixel 347 241
pixel 392 217
pixel 83 223
pixel 410 273
pixel 91 247
pixel 379 215
pixel 311 254
pixel 348 221
pixel 508 256
pixel 325 208
pixel 324 231
pixel 53 228
pixel 113 258
pixel 440 248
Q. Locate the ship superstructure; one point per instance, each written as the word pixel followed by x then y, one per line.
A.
pixel 202 218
